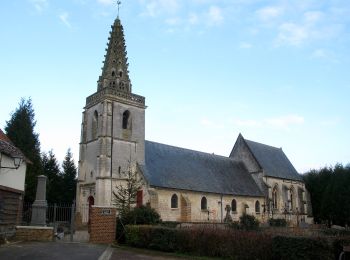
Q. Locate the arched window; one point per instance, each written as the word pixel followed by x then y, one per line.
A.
pixel 174 202
pixel 113 73
pixel 203 203
pixel 257 207
pixel 291 198
pixel 94 125
pixel 274 198
pixel 233 205
pixel 126 115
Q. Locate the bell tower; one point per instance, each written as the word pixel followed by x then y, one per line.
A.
pixel 113 127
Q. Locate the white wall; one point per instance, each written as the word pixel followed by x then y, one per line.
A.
pixel 12 178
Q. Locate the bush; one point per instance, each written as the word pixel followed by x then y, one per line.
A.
pixel 301 248
pixel 158 238
pixel 170 224
pixel 277 222
pixel 248 222
pixel 208 241
pixel 143 215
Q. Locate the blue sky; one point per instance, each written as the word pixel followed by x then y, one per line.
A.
pixel 275 71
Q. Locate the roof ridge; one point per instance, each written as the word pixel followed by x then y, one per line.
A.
pixel 191 150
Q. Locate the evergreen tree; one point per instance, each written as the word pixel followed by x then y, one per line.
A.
pixel 55 188
pixel 125 193
pixel 69 177
pixel 330 194
pixel 20 129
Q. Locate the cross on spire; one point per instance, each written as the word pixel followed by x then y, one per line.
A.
pixel 118 3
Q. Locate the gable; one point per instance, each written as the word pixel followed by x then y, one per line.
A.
pixel 178 168
pixel 241 152
pixel 273 161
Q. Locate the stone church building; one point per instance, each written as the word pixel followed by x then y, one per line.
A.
pixel 181 184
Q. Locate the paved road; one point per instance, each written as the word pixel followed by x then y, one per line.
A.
pixel 131 254
pixel 51 250
pixel 75 251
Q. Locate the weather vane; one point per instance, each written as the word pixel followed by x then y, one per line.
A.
pixel 118 3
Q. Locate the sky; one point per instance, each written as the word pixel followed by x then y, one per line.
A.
pixel 278 72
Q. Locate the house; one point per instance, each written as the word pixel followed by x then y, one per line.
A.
pixel 12 177
pixel 181 184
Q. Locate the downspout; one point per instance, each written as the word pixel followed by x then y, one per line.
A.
pixel 221 205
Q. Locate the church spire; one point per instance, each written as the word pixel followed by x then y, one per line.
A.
pixel 115 72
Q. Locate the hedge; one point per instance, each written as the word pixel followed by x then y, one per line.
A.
pixel 277 222
pixel 212 242
pixel 301 248
pixel 233 244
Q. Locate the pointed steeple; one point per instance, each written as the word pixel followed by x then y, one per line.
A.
pixel 115 72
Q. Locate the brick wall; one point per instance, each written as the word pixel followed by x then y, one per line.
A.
pixel 103 224
pixel 29 233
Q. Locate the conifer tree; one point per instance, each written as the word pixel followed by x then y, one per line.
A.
pixel 55 188
pixel 69 175
pixel 20 129
pixel 125 193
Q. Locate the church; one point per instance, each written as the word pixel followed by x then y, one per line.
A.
pixel 180 184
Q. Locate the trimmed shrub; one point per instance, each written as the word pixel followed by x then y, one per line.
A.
pixel 143 215
pixel 248 222
pixel 170 224
pixel 208 241
pixel 277 222
pixel 300 248
pixel 152 237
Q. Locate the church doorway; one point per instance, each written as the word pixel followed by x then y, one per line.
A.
pixel 91 201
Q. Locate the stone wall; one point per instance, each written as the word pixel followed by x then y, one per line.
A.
pixel 32 233
pixel 189 207
pixel 294 208
pixel 103 224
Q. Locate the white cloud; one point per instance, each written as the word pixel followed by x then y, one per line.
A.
pixel 39 5
pixel 173 21
pixel 107 2
pixel 320 53
pixel 313 17
pixel 64 18
pixel 292 34
pixel 193 19
pixel 215 16
pixel 269 12
pixel 312 26
pixel 157 7
pixel 245 45
pixel 285 121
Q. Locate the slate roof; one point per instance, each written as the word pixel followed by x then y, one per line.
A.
pixel 179 168
pixel 7 147
pixel 273 161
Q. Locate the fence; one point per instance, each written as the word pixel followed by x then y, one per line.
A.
pixel 60 215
